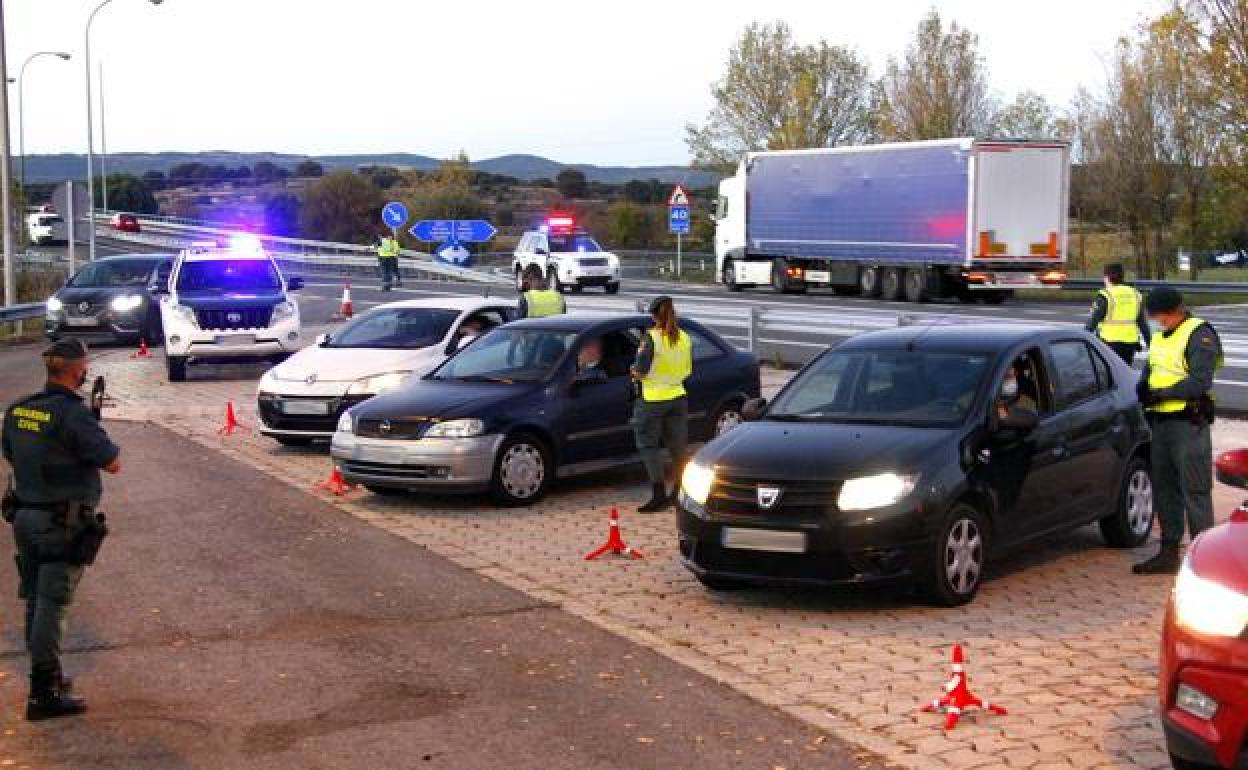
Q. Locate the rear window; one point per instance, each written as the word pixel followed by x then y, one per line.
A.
pixel 566 243
pixel 106 274
pixel 396 328
pixel 1076 376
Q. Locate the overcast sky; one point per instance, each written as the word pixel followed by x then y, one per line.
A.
pixel 595 82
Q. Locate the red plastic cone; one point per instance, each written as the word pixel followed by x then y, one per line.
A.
pixel 142 352
pixel 231 422
pixel 958 698
pixel 615 543
pixel 336 485
pixel 345 310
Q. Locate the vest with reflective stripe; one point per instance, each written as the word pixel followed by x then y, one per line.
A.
pixel 389 248
pixel 1167 362
pixel 543 302
pixel 670 367
pixel 1122 309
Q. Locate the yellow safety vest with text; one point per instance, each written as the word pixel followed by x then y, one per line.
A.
pixel 670 366
pixel 543 302
pixel 389 248
pixel 1167 362
pixel 1122 310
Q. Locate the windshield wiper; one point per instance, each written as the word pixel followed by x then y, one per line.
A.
pixel 483 378
pixel 791 417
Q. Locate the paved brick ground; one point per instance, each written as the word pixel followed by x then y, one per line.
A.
pixel 1062 634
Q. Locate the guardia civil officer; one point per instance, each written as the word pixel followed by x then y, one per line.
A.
pixel 1118 317
pixel 538 301
pixel 1176 392
pixel 661 413
pixel 57 449
pixel 388 261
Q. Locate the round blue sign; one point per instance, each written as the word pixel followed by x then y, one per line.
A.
pixel 394 214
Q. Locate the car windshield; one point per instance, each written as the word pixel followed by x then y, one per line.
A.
pixel 573 242
pixel 508 355
pixel 920 388
pixel 120 273
pixel 229 275
pixel 398 327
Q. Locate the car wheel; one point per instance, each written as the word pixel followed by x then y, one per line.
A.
pixel 916 284
pixel 385 491
pixel 727 417
pixel 1178 763
pixel 890 284
pixel 613 288
pixel 955 566
pixel 175 367
pixel 869 282
pixel 716 583
pixel 294 441
pixel 1132 520
pixel 729 276
pixel 522 471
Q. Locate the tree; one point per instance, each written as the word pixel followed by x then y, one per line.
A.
pixel 154 180
pixel 939 88
pixel 341 206
pixel 1222 27
pixel 629 225
pixel 182 174
pixel 571 183
pixel 1029 116
pixel 309 168
pixel 281 215
pixel 778 95
pixel 637 191
pixel 127 192
pixel 266 171
pixel 384 177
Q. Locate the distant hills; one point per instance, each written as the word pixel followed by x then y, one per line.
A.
pixel 55 168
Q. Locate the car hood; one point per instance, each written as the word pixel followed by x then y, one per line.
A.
pixel 443 400
pixel 784 451
pixel 213 300
pixel 350 364
pixel 1221 555
pixel 95 295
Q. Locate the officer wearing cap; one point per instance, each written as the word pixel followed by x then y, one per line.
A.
pixel 56 449
pixel 661 414
pixel 539 301
pixel 1176 391
pixel 1118 317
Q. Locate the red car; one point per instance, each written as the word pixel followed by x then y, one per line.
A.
pixel 126 223
pixel 1204 644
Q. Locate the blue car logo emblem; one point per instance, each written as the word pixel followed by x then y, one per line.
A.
pixel 233 317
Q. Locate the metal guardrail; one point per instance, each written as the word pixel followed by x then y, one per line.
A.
pixel 1186 287
pixel 24 312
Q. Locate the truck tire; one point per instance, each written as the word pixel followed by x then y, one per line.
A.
pixel 915 281
pixel 997 296
pixel 780 279
pixel 869 281
pixel 890 284
pixel 729 276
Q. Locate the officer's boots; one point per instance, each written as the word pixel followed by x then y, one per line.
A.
pixel 1166 562
pixel 658 500
pixel 48 699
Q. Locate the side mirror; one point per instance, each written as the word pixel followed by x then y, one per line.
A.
pixel 1018 423
pixel 294 283
pixel 322 340
pixel 753 409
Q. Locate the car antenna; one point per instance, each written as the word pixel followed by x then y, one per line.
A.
pixel 903 320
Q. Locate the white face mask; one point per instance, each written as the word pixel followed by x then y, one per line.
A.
pixel 1009 389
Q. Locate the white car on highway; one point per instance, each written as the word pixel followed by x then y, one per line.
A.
pixel 301 399
pixel 569 257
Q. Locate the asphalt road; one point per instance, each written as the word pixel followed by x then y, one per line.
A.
pixel 249 624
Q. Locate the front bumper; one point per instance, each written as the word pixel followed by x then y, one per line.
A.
pixel 276 418
pixel 118 325
pixel 596 280
pixel 446 465
pixel 279 339
pixel 1219 669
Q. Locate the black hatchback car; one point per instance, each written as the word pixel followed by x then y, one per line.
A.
pixel 898 455
pixel 518 408
pixel 110 298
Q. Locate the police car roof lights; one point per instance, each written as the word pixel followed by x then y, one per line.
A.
pixel 245 244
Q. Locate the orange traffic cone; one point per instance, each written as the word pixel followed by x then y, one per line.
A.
pixel 336 485
pixel 615 543
pixel 231 422
pixel 958 698
pixel 142 352
pixel 345 310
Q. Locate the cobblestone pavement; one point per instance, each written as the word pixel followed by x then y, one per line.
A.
pixel 1062 633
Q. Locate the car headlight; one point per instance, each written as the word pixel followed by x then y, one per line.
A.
pixel 55 305
pixel 282 311
pixel 125 303
pixel 184 314
pixel 867 492
pixel 1206 607
pixel 345 423
pixel 378 383
pixel 696 482
pixel 464 428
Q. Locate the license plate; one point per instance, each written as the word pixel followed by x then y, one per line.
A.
pixel 818 276
pixel 83 321
pixel 1014 280
pixel 233 340
pixel 774 540
pixel 377 454
pixel 305 407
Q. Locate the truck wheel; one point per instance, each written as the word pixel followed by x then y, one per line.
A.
pixel 890 284
pixel 729 276
pixel 175 367
pixel 916 284
pixel 869 281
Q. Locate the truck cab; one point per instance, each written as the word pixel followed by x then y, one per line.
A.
pixel 568 256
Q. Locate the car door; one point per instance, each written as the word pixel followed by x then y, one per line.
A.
pixel 712 379
pixel 598 413
pixel 1086 397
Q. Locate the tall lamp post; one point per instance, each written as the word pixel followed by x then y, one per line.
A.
pixel 6 178
pixel 21 106
pixel 91 131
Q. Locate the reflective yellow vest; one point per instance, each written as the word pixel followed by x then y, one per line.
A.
pixel 544 302
pixel 1122 309
pixel 389 248
pixel 669 368
pixel 1167 362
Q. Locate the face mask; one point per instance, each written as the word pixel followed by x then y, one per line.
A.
pixel 1009 389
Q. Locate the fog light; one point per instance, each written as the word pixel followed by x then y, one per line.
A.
pixel 175 340
pixel 1195 702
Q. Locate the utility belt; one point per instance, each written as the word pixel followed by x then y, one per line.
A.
pixel 1199 412
pixel 83 530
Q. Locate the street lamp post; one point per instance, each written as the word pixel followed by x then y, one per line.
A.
pixel 91 131
pixel 21 106
pixel 6 179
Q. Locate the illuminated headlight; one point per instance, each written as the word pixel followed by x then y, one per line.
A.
pixel 696 482
pixel 466 428
pixel 345 423
pixel 126 303
pixel 1205 607
pixel 282 311
pixel 378 383
pixel 1195 702
pixel 55 305
pixel 184 314
pixel 863 494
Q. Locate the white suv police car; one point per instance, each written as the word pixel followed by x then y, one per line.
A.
pixel 227 304
pixel 568 257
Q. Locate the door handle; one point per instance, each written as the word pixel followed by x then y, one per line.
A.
pixel 1058 451
pixel 1117 428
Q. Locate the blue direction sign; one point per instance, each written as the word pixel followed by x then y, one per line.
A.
pixel 394 214
pixel 678 219
pixel 453 230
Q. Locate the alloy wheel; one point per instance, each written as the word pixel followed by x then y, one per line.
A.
pixel 964 556
pixel 522 471
pixel 1139 502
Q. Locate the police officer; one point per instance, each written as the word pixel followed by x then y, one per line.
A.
pixel 1118 317
pixel 388 261
pixel 1176 392
pixel 661 414
pixel 57 449
pixel 538 301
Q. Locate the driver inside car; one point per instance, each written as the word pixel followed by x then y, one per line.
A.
pixel 1016 400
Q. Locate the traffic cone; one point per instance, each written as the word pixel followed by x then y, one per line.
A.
pixel 231 422
pixel 958 698
pixel 142 352
pixel 336 485
pixel 615 543
pixel 345 310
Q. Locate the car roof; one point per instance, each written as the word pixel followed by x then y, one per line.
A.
pixel 581 321
pixel 134 257
pixel 449 303
pixel 221 254
pixel 973 337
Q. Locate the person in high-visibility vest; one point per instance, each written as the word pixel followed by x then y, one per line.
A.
pixel 661 413
pixel 388 261
pixel 537 301
pixel 1176 390
pixel 1118 316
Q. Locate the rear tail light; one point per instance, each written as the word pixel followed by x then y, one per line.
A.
pixel 977 277
pixel 1053 277
pixel 1053 252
